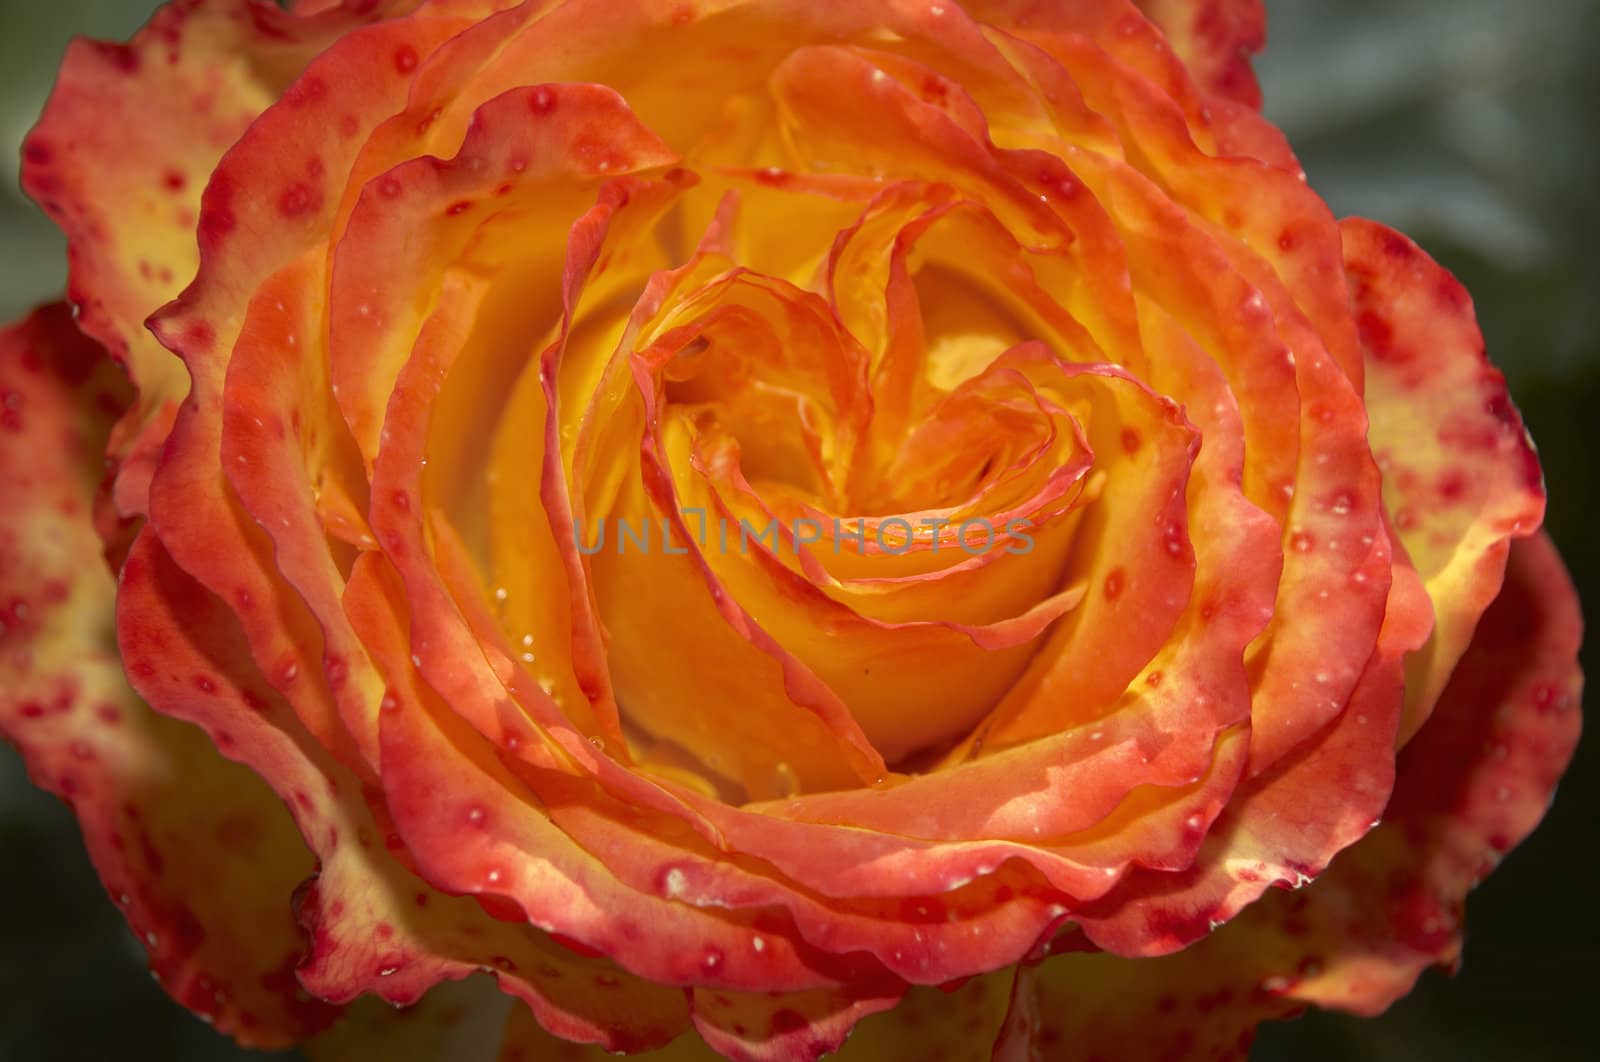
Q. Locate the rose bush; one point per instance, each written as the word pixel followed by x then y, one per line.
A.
pixel 1132 537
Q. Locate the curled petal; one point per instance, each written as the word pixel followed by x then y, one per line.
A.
pixel 295 148
pixel 1471 785
pixel 797 1027
pixel 1281 827
pixel 198 855
pixel 1216 39
pixel 373 926
pixel 127 141
pixel 1461 478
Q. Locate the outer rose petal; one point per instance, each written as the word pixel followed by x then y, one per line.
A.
pixel 1474 782
pixel 200 857
pixel 1282 826
pixel 960 1024
pixel 296 147
pixel 1216 39
pixel 375 927
pixel 1460 475
pixel 128 139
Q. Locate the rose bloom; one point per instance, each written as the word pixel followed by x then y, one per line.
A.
pixel 381 313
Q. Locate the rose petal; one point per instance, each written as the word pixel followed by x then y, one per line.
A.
pixel 802 1027
pixel 1472 784
pixel 1215 39
pixel 125 145
pixel 373 925
pixel 1460 475
pixel 1280 827
pixel 1117 26
pixel 295 149
pixel 156 800
pixel 952 1024
pixel 490 839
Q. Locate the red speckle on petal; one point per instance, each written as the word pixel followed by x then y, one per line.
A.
pixel 1547 698
pixel 1397 246
pixel 1066 187
pixel 1378 336
pixel 120 56
pixel 1453 296
pixel 1115 580
pixel 305 92
pixel 296 200
pixel 543 100
pixel 405 59
pixel 1130 440
pixel 216 223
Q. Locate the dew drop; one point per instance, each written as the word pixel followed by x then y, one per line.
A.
pixel 785 780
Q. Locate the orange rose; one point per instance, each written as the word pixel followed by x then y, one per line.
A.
pixel 733 516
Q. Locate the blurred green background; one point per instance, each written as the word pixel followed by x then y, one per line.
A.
pixel 1469 124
